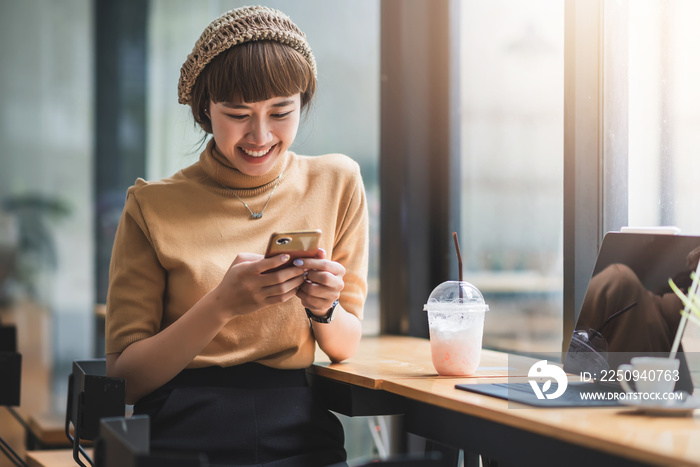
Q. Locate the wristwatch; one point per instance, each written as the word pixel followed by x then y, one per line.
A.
pixel 325 319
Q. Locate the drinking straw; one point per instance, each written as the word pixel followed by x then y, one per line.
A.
pixel 686 311
pixel 459 255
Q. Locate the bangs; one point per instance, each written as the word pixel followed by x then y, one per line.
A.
pixel 257 71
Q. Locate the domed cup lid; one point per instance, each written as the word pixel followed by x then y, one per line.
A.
pixel 457 295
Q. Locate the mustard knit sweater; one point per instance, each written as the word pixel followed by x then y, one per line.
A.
pixel 178 236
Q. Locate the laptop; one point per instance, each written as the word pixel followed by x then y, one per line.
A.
pixel 628 310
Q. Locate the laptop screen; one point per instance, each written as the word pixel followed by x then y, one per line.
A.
pixel 629 308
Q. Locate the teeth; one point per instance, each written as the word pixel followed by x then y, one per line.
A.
pixel 256 153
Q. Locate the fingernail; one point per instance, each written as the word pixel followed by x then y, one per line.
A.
pixel 298 262
pixel 284 258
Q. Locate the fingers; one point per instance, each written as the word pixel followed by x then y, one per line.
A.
pixel 265 264
pixel 317 297
pixel 323 282
pixel 321 272
pixel 247 258
pixel 285 290
pixel 281 285
pixel 246 288
pixel 319 291
pixel 324 278
pixel 258 263
pixel 320 265
pixel 316 281
pixel 270 271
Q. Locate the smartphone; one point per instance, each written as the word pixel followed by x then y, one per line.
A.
pixel 297 244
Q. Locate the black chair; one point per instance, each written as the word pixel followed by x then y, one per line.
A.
pixel 10 367
pixel 91 396
pixel 125 442
pixel 10 382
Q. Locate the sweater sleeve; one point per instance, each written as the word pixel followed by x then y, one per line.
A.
pixel 351 247
pixel 136 282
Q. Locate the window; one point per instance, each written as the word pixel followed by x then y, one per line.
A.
pixel 664 113
pixel 659 109
pixel 512 123
pixel 46 199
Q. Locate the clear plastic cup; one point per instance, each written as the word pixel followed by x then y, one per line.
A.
pixel 456 311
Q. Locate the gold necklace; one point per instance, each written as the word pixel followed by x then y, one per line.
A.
pixel 258 215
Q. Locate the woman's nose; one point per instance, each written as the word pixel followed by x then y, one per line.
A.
pixel 259 131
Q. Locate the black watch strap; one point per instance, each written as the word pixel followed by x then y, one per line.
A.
pixel 325 319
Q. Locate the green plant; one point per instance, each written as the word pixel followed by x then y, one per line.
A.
pixel 35 249
pixel 691 303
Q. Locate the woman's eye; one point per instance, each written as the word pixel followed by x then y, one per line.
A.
pixel 281 115
pixel 236 117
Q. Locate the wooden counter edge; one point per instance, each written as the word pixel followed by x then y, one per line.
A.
pixel 532 425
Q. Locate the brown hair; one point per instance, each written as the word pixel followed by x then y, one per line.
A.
pixel 252 72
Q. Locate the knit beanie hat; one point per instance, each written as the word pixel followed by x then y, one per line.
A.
pixel 245 24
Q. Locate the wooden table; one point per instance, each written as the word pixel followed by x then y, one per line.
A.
pixel 53 458
pixel 391 358
pixel 394 375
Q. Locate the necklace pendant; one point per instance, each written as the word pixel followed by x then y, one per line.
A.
pixel 258 215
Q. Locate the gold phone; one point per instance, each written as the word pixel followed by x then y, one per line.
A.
pixel 297 244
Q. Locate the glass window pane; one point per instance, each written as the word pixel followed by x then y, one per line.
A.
pixel 512 161
pixel 664 114
pixel 46 193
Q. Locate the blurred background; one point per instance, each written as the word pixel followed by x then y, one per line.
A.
pixel 88 103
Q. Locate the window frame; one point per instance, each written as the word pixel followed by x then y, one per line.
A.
pixel 419 157
pixel 416 249
pixel 595 141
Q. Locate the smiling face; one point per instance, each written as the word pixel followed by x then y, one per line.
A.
pixel 244 88
pixel 253 136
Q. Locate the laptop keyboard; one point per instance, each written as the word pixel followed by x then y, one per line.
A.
pixel 522 392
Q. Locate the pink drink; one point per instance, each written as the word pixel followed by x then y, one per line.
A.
pixel 456 313
pixel 456 352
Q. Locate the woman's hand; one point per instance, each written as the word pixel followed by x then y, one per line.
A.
pixel 323 282
pixel 246 287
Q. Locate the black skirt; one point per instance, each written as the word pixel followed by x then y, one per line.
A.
pixel 248 415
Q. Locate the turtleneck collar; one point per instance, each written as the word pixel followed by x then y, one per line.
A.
pixel 216 166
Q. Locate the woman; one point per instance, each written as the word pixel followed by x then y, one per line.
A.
pixel 212 348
